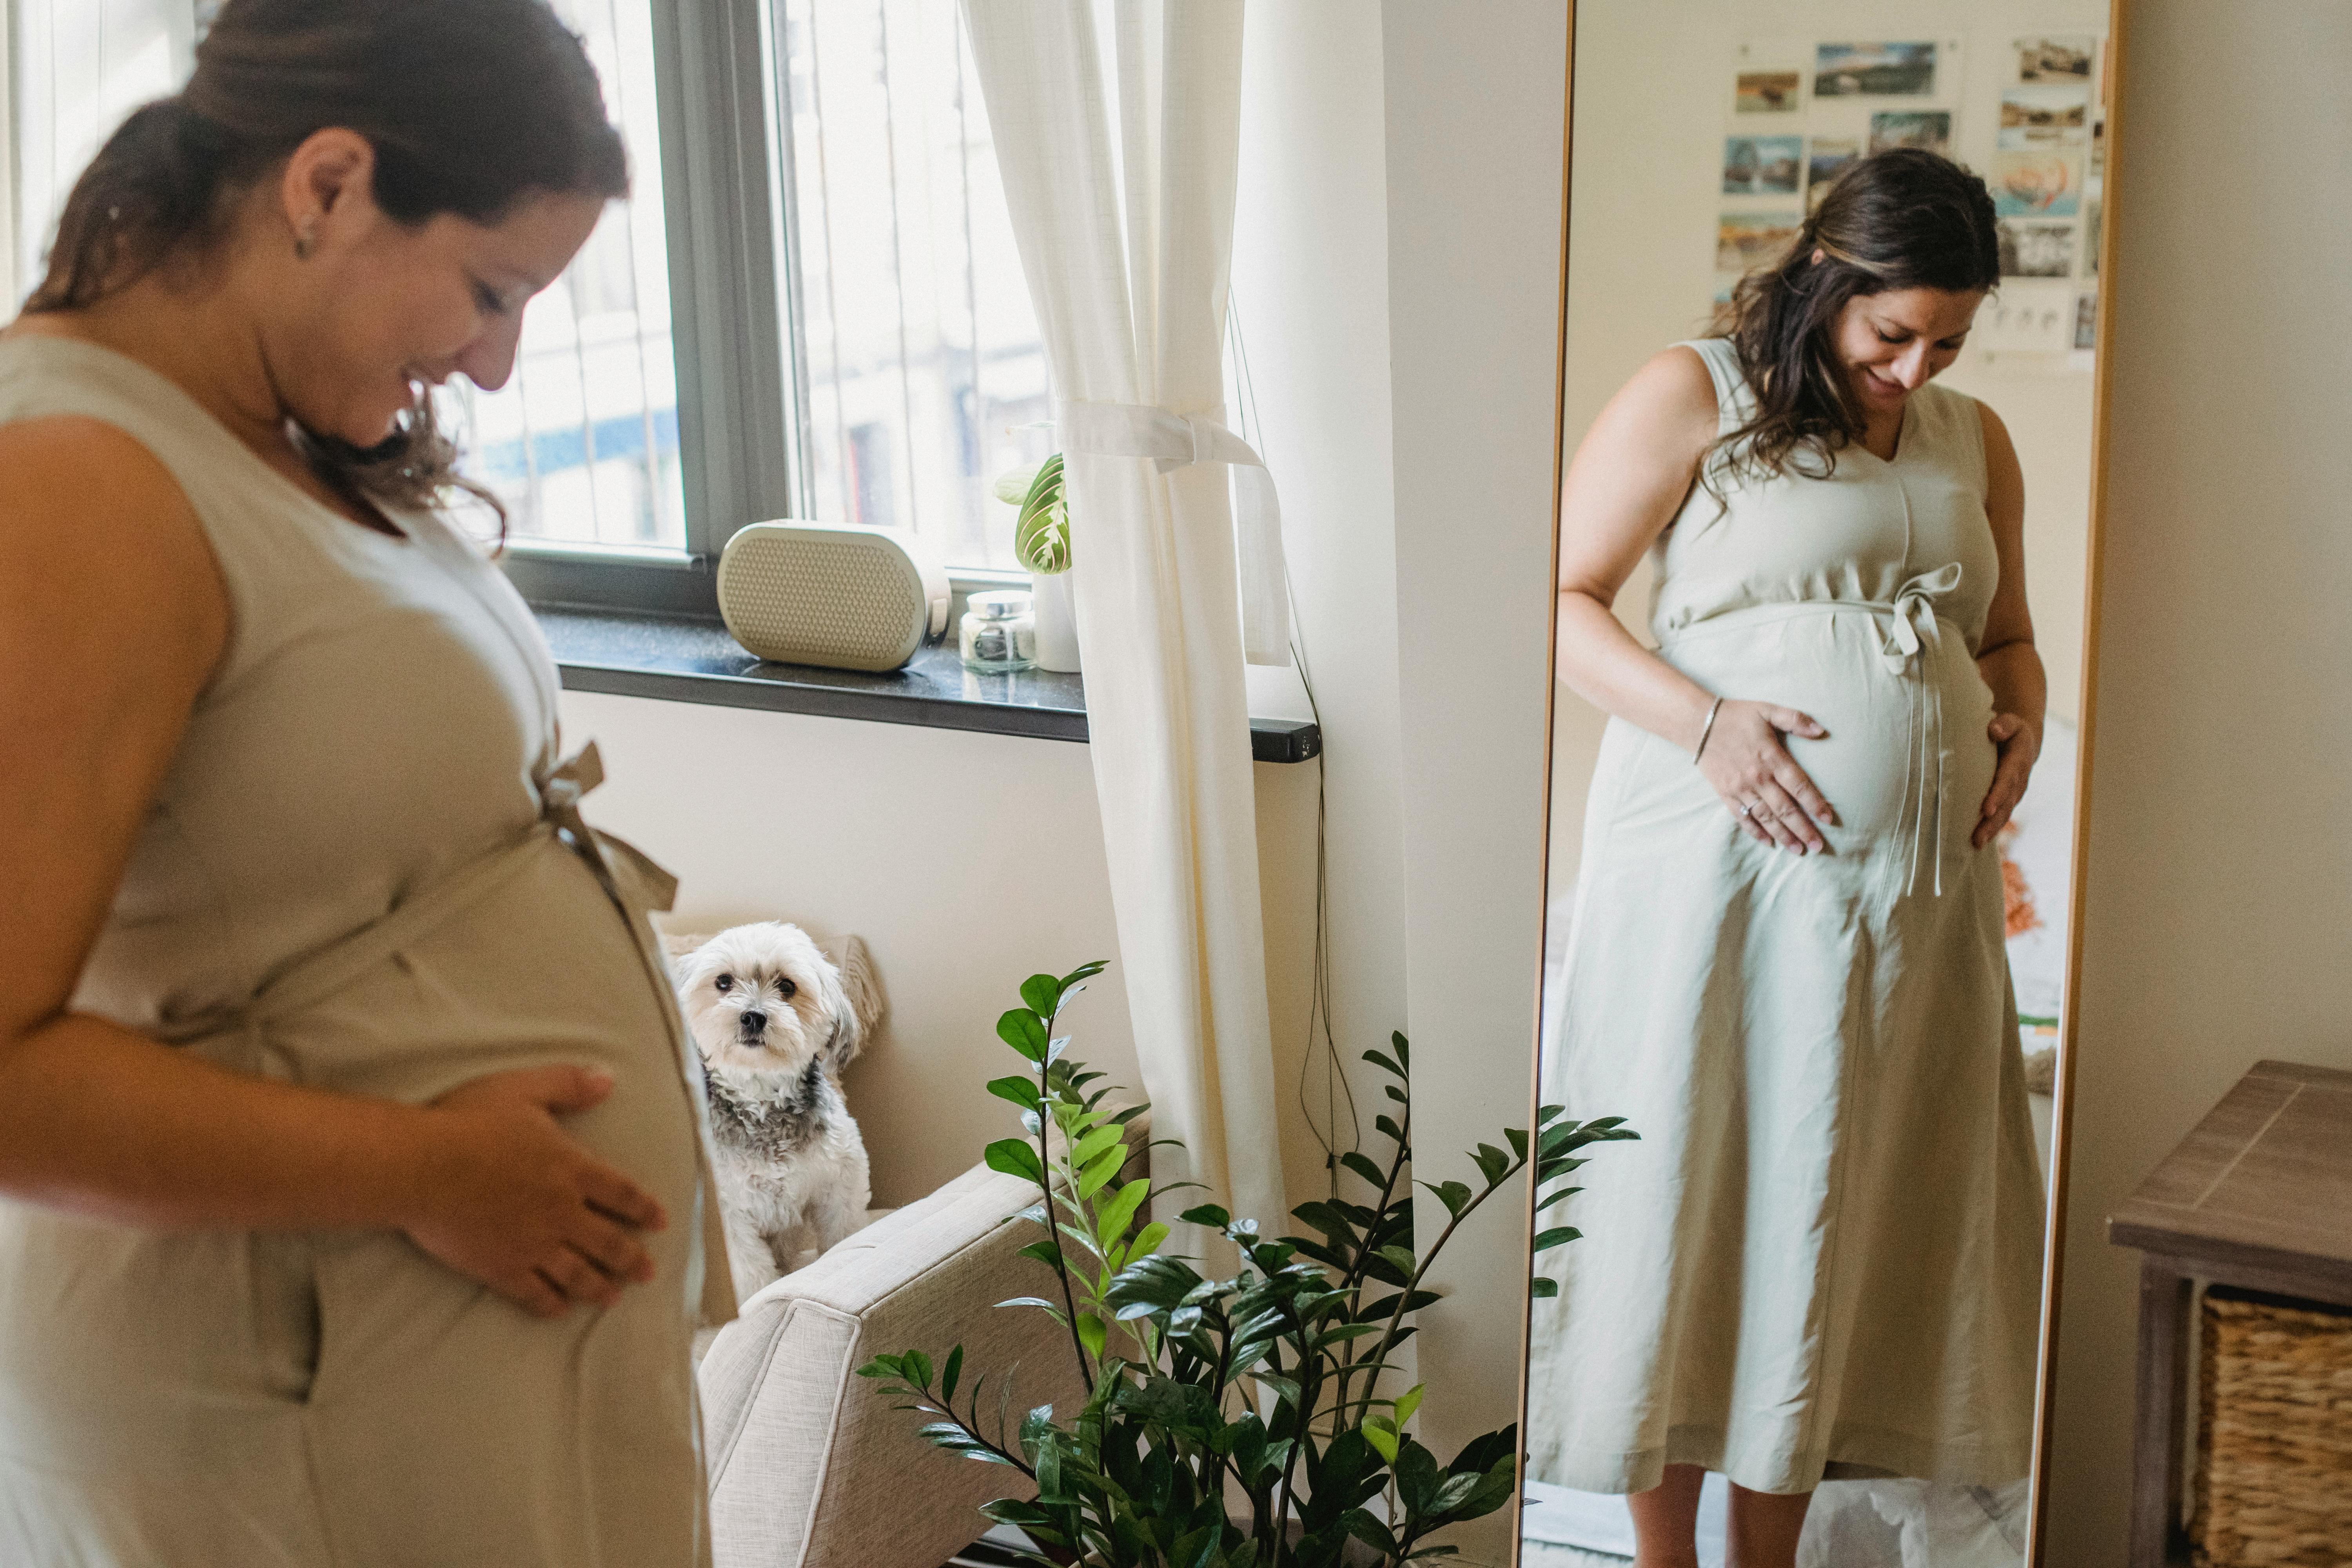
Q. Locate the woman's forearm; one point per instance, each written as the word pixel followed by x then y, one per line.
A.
pixel 1601 661
pixel 2013 671
pixel 104 1121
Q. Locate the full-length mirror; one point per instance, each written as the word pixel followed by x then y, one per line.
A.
pixel 1829 415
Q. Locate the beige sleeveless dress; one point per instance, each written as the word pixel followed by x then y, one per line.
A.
pixel 1824 1255
pixel 365 872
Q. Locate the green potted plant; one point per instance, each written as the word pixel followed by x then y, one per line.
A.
pixel 1238 1423
pixel 1041 538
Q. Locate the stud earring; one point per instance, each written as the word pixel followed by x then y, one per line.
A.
pixel 302 244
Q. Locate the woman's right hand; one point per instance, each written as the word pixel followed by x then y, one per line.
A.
pixel 1749 766
pixel 507 1197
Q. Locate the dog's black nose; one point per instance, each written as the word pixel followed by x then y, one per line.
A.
pixel 754 1021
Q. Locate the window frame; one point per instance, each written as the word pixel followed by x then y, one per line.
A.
pixel 723 208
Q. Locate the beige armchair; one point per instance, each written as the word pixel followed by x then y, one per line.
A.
pixel 810 1466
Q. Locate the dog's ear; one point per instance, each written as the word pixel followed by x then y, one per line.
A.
pixel 860 1008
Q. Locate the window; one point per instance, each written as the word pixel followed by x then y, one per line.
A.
pixel 582 442
pixel 916 357
pixel 78 67
pixel 810 305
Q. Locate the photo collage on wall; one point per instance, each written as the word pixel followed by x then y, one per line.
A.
pixel 1801 114
pixel 2047 177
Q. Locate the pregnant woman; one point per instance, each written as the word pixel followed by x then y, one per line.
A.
pixel 1786 967
pixel 350 1162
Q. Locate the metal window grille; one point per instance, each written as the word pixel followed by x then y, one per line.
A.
pixel 918 365
pixel 582 443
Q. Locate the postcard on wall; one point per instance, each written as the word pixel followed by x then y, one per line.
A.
pixel 2043 115
pixel 2031 318
pixel 2090 238
pixel 1927 128
pixel 1874 71
pixel 1769 92
pixel 2037 185
pixel 2036 249
pixel 2098 149
pixel 2065 59
pixel 2086 320
pixel 1745 241
pixel 1762 165
pixel 1830 157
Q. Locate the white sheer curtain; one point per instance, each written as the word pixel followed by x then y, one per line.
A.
pixel 1128 262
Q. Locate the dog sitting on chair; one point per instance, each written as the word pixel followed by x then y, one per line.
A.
pixel 775 1021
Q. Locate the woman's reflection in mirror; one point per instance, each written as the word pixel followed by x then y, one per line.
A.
pixel 1786 968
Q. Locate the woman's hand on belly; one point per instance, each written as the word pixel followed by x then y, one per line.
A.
pixel 503 1196
pixel 1744 759
pixel 2020 744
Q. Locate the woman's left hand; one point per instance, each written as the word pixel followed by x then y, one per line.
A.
pixel 2019 743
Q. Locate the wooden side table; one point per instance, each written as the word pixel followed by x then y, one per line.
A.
pixel 2259 1195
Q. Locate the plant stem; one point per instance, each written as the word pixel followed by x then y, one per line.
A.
pixel 1353 1281
pixel 1053 1219
pixel 971 1432
pixel 1355 1275
pixel 1310 1370
pixel 1310 1389
pixel 1388 1337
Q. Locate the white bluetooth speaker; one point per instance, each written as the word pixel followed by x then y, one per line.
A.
pixel 837 594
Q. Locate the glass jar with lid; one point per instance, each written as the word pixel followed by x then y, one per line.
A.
pixel 998 634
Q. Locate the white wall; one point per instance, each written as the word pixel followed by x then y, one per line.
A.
pixel 2219 867
pixel 1310 288
pixel 1474 117
pixel 967 862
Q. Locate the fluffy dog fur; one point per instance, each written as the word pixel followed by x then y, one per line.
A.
pixel 776 1020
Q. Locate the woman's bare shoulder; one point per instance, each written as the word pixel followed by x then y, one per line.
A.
pixel 1678 373
pixel 93 524
pixel 1669 404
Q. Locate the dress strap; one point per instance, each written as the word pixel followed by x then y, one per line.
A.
pixel 1733 404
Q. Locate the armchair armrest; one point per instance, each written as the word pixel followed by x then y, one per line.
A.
pixel 810 1465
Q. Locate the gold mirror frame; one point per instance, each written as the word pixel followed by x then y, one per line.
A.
pixel 2063 1102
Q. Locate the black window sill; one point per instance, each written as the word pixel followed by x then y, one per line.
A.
pixel 680 660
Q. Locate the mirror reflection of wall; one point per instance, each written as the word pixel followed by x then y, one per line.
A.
pixel 1703 133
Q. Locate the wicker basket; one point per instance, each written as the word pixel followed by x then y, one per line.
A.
pixel 2274 1435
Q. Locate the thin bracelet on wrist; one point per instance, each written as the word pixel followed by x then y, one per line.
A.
pixel 1706 729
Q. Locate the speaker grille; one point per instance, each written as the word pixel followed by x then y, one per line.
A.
pixel 833 602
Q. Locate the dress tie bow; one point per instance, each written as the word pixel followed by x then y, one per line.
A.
pixel 628 876
pixel 1912 630
pixel 1913 625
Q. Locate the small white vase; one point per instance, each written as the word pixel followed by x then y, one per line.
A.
pixel 1058 621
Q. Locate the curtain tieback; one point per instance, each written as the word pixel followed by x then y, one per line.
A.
pixel 1175 441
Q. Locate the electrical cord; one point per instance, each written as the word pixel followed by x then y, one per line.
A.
pixel 1321 1046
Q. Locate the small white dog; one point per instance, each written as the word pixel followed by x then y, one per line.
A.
pixel 776 1020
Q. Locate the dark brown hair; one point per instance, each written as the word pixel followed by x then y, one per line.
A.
pixel 1905 218
pixel 471 106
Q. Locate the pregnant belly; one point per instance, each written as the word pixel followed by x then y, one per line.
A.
pixel 540 971
pixel 1890 734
